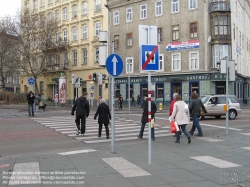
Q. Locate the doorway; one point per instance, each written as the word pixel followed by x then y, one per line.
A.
pixel 176 87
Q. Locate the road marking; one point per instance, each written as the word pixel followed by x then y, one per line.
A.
pixel 248 148
pixel 247 134
pixel 125 168
pixel 210 139
pixel 89 126
pixel 30 169
pixel 215 162
pixel 77 152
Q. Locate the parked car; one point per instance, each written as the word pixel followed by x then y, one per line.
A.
pixel 214 105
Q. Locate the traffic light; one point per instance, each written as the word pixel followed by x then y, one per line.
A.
pixel 94 77
pixel 106 85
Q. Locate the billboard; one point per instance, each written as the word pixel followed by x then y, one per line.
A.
pixel 62 90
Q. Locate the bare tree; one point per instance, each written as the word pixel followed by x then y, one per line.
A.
pixel 9 57
pixel 38 36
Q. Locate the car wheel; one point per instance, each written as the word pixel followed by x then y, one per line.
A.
pixel 217 117
pixel 232 114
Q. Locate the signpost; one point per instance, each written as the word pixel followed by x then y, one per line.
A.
pixel 114 66
pixel 56 100
pixel 31 81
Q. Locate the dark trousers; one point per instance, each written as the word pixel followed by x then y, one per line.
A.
pixel 100 129
pixel 120 107
pixel 31 109
pixel 83 122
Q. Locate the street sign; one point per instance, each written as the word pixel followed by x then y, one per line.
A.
pixel 31 81
pixel 92 87
pixel 77 82
pixel 56 95
pixel 114 65
pixel 149 57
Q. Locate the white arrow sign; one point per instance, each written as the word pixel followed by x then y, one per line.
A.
pixel 114 60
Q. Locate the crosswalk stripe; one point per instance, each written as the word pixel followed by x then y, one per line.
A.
pixel 210 139
pixel 247 148
pixel 215 162
pixel 77 152
pixel 87 125
pixel 247 134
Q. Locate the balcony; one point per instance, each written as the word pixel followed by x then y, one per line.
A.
pixel 220 6
pixel 57 66
pixel 59 45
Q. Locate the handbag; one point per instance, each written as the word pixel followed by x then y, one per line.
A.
pixel 152 123
pixel 174 127
pixel 202 112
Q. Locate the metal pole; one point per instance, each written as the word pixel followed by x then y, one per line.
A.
pixel 227 116
pixel 97 92
pixel 129 88
pixel 112 109
pixel 111 50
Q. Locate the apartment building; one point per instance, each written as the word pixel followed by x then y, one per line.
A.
pixel 77 43
pixel 193 36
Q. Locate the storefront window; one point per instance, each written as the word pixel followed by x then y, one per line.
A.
pixel 117 91
pixel 159 91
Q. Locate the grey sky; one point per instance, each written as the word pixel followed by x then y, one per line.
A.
pixel 9 7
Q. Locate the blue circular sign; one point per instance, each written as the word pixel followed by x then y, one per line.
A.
pixel 114 65
pixel 31 81
pixel 92 87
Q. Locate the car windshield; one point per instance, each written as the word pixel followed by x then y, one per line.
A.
pixel 233 99
pixel 205 99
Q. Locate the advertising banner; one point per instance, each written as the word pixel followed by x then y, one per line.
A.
pixel 191 44
pixel 62 90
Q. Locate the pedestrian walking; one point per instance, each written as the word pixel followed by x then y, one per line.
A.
pixel 144 118
pixel 81 106
pixel 194 109
pixel 138 99
pixel 37 101
pixel 182 117
pixel 104 116
pixel 120 100
pixel 172 107
pixel 133 100
pixel 31 98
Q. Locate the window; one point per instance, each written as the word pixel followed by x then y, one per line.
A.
pixel 34 44
pixel 35 4
pixel 234 30
pixel 143 11
pixel 193 60
pixel 57 15
pixel 161 62
pixel 97 54
pixel 74 58
pixel 159 34
pixel 26 6
pixel 175 32
pixel 84 8
pixel 74 34
pixel 50 1
pixel 97 5
pixel 129 65
pixel 116 17
pixel 65 59
pixel 97 28
pixel 129 39
pixel 42 3
pixel 193 30
pixel 176 62
pixel 158 8
pixel 65 14
pixel 116 41
pixel 240 38
pixel 221 25
pixel 175 6
pixel 84 56
pixel 159 91
pixel 65 35
pixel 192 4
pixel 50 16
pixel 57 36
pixel 84 31
pixel 219 52
pixel 74 11
pixel 129 15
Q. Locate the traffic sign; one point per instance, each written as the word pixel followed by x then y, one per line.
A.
pixel 114 65
pixel 149 57
pixel 56 95
pixel 92 87
pixel 31 81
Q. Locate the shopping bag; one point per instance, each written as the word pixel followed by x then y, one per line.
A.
pixel 173 127
pixel 152 123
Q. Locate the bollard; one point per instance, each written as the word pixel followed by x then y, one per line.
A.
pixel 160 106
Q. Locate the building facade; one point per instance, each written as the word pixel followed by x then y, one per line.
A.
pixel 77 43
pixel 193 36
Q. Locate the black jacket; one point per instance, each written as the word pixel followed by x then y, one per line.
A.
pixel 195 105
pixel 81 106
pixel 30 99
pixel 144 118
pixel 103 114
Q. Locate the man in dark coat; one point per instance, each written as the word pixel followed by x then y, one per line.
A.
pixel 81 106
pixel 30 98
pixel 120 100
pixel 104 116
pixel 144 118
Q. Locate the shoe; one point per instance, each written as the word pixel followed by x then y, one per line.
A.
pixel 77 133
pixel 190 132
pixel 177 141
pixel 174 135
pixel 180 132
pixel 99 136
pixel 139 137
pixel 107 137
pixel 153 139
pixel 199 134
pixel 189 140
pixel 82 134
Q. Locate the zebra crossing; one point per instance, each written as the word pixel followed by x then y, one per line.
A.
pixel 124 129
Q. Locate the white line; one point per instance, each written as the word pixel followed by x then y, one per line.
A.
pixel 248 148
pixel 210 139
pixel 247 134
pixel 215 162
pixel 30 169
pixel 125 168
pixel 91 126
pixel 77 152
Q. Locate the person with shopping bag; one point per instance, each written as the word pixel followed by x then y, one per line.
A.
pixel 181 116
